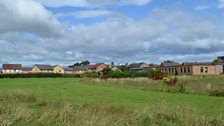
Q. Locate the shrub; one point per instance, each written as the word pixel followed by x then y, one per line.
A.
pixel 182 85
pixel 104 77
pixel 218 93
pixel 157 75
pixel 170 81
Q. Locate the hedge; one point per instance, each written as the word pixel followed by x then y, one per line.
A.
pixel 37 75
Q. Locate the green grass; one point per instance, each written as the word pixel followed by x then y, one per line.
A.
pixel 84 91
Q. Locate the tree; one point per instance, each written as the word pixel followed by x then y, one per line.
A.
pixel 123 68
pixel 112 63
pixel 215 62
pixel 168 61
pixel 83 63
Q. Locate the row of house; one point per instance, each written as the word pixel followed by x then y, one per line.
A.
pixel 18 69
pixel 171 68
pixel 186 68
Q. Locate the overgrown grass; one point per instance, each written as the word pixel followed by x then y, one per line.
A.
pixel 193 84
pixel 125 102
pixel 32 112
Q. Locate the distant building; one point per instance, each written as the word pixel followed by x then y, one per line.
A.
pixel 48 69
pixel 97 67
pixel 220 60
pixel 76 70
pixel 191 68
pixel 27 70
pixel 11 68
pixel 137 66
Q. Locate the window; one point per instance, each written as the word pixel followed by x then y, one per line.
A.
pixel 185 70
pixel 202 69
pixel 206 69
pixel 181 70
pixel 188 69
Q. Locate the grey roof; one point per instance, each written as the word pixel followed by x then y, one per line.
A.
pixel 134 65
pixel 45 67
pixel 197 63
pixel 76 68
pixel 169 64
pixel 136 68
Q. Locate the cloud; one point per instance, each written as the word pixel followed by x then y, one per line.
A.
pixel 92 3
pixel 26 16
pixel 135 2
pixel 221 4
pixel 202 7
pixel 35 36
pixel 87 13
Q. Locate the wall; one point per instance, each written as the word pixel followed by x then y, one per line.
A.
pixel 211 70
pixel 58 69
pixel 36 70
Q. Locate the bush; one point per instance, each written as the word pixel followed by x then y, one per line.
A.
pixel 182 86
pixel 218 93
pixel 157 75
pixel 170 81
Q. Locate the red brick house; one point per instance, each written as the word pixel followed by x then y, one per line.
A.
pixel 11 68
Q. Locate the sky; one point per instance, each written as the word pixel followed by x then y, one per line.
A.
pixel 68 31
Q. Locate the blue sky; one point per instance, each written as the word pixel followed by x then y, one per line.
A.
pixel 68 31
pixel 139 12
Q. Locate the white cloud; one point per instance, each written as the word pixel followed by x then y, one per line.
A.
pixel 135 2
pixel 88 13
pixel 26 16
pixel 92 3
pixel 161 35
pixel 221 4
pixel 201 7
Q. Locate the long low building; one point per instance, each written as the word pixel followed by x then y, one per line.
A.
pixel 18 69
pixel 191 68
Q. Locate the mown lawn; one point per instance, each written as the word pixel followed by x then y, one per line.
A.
pixel 82 91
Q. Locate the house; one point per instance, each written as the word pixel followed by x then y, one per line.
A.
pixel 76 70
pixel 151 67
pixel 220 61
pixel 191 68
pixel 42 69
pixel 115 68
pixel 11 68
pixel 137 66
pixel 97 67
pixel 58 69
pixel 27 70
pixel 48 69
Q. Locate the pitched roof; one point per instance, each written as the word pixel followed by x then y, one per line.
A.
pixel 45 67
pixel 27 68
pixel 197 63
pixel 135 65
pixel 170 64
pixel 77 68
pixel 11 66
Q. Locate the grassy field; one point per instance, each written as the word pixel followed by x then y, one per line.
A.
pixel 140 101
